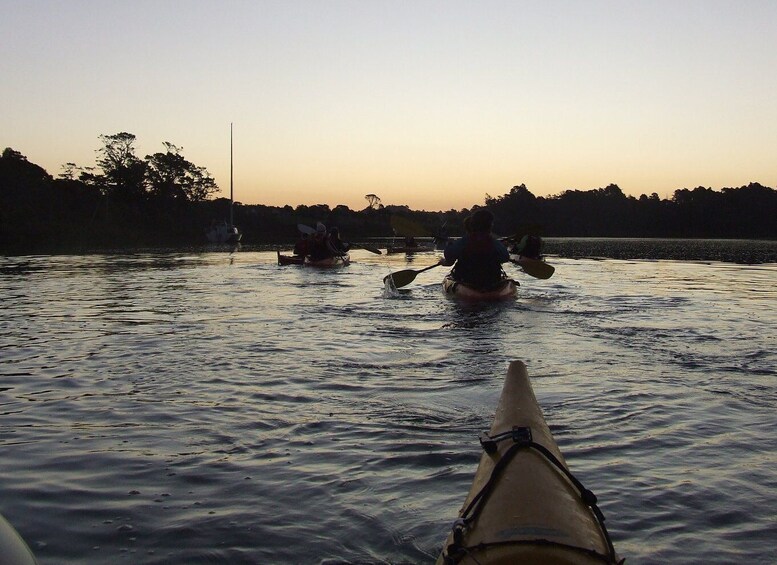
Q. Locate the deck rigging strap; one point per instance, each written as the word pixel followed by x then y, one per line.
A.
pixel 522 438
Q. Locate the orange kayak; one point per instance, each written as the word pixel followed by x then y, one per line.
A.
pixel 507 288
pixel 524 505
pixel 333 261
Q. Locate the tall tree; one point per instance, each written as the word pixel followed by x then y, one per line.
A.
pixel 373 201
pixel 171 176
pixel 123 173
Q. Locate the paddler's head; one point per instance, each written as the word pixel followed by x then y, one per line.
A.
pixel 481 221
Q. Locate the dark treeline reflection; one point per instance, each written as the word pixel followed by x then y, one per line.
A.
pixel 164 199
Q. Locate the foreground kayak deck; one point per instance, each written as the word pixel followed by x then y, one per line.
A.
pixel 524 507
pixel 504 290
pixel 13 549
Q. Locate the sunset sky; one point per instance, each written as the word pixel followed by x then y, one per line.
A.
pixel 432 104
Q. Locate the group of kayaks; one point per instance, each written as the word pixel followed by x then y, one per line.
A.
pixel 503 289
pixel 524 505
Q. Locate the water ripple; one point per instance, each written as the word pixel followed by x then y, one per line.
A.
pixel 204 407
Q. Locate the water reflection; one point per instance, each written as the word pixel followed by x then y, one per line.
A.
pixel 204 405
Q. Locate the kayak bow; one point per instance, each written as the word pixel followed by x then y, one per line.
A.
pixel 13 549
pixel 524 506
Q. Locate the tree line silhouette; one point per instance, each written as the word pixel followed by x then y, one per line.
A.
pixel 164 199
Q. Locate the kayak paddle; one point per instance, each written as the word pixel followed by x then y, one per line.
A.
pixel 366 247
pixel 404 278
pixel 534 267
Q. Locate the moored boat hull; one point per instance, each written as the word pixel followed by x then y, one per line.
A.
pixel 523 507
pixel 506 289
pixel 224 234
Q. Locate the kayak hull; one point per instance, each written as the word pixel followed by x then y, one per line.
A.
pixel 505 290
pixel 290 259
pixel 13 549
pixel 534 514
pixel 335 261
pixel 391 250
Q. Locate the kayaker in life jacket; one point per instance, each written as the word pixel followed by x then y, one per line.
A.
pixel 302 247
pixel 529 246
pixel 477 257
pixel 337 245
pixel 319 248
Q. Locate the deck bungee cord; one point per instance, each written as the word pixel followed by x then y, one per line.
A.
pixel 522 440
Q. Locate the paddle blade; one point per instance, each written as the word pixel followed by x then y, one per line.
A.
pixel 369 248
pixel 306 229
pixel 535 268
pixel 402 278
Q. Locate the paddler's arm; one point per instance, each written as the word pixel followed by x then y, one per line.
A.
pixel 501 251
pixel 452 252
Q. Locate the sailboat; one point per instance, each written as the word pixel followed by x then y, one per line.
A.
pixel 226 232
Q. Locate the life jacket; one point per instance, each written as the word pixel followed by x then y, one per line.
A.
pixel 302 246
pixel 533 247
pixel 529 246
pixel 479 263
pixel 319 249
pixel 336 246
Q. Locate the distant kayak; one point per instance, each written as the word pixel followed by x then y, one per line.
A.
pixel 13 549
pixel 290 259
pixel 507 288
pixel 524 506
pixel 406 249
pixel 334 261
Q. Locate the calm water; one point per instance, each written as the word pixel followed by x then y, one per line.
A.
pixel 208 407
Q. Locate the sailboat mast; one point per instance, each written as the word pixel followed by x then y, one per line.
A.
pixel 231 186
